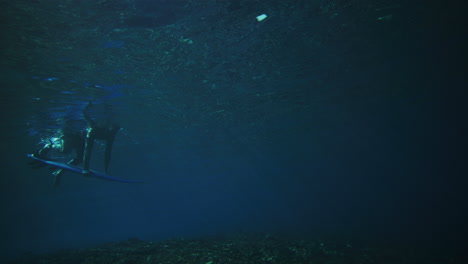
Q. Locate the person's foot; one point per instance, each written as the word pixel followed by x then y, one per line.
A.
pixel 86 172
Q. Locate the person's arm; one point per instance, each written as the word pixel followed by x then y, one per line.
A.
pixel 42 153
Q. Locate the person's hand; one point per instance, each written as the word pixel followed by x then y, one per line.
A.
pixel 57 172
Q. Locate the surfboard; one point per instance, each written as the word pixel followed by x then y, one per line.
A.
pixel 79 170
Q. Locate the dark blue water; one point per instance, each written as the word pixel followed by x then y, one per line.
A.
pixel 361 135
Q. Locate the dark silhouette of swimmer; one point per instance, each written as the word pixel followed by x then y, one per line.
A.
pixel 104 130
pixel 67 141
pixel 81 140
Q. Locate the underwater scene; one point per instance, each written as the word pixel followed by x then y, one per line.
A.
pixel 233 131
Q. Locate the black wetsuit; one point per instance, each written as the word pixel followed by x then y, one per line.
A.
pixel 104 130
pixel 70 141
pixel 79 135
pixel 106 133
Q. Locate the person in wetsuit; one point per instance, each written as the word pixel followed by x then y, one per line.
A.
pixel 104 130
pixel 69 139
pixel 81 140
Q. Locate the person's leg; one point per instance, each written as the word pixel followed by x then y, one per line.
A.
pixel 107 154
pixel 87 152
pixel 57 176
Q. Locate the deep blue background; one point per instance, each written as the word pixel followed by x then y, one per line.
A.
pixel 379 166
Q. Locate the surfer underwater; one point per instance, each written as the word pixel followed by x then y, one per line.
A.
pixel 79 136
pixel 67 139
pixel 95 130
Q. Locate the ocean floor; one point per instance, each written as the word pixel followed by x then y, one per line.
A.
pixel 241 249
